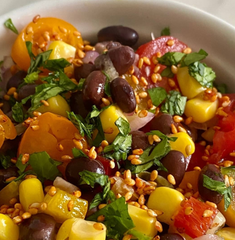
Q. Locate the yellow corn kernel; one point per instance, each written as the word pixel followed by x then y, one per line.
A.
pixel 87 230
pixel 183 143
pixel 59 206
pixel 57 105
pixel 142 220
pixel 208 134
pixel 65 229
pixel 200 110
pixel 10 191
pixel 189 86
pixel 61 50
pixel 108 118
pixel 161 199
pixel 226 233
pixel 8 229
pixel 30 191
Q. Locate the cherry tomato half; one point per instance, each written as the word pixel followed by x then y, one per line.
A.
pixel 40 32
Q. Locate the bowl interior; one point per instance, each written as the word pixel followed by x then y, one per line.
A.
pixel 192 26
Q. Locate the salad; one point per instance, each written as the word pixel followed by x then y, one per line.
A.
pixel 112 141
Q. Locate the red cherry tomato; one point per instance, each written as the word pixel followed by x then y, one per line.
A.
pixel 223 140
pixel 151 50
pixel 194 224
pixel 106 163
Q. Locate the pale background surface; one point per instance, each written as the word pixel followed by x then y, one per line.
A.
pixel 223 9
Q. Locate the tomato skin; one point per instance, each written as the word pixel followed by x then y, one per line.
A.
pixel 35 31
pixel 196 159
pixel 150 49
pixel 194 224
pixel 106 164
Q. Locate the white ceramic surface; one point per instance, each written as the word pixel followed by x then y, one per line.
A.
pixel 194 27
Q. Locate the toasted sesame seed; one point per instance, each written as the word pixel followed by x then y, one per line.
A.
pixel 197 168
pixel 81 54
pixel 158 226
pixel 154 77
pixel 92 153
pixel 28 176
pixel 170 42
pixel 146 60
pixel 171 179
pixel 143 113
pixel 101 218
pixel 143 81
pixel 35 127
pixel 173 128
pixel 52 191
pixel 134 79
pixel 151 213
pixel 78 144
pixel 141 199
pixel 188 194
pixel 112 164
pixel 178 119
pixel 11 91
pixel 140 63
pixel 231 181
pixel 13 201
pixel 77 193
pixel 105 101
pixel 211 204
pixel 143 94
pixel 29 30
pixel 128 196
pixel 45 103
pixel 76 33
pixel 188 120
pixel 18 206
pixel 137 151
pixel 17 219
pixel 156 69
pixel 188 210
pixel 6 97
pixel 154 60
pixel 174 69
pixel 150 139
pixel 153 175
pixel 26 215
pixel 156 138
pixel 25 158
pixel 138 182
pixel 188 149
pixel 117 174
pixel 171 83
pixel 207 213
pixel 205 158
pixel 202 143
pixel 70 205
pixel 66 158
pixel 187 50
pixel 36 18
pixel 33 211
pixel 127 237
pixel 130 157
pixel 136 161
pixel 108 130
pixel 98 226
pixel 43 206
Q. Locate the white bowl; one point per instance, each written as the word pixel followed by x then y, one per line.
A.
pixel 192 26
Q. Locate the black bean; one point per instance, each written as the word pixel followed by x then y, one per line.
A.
pixel 26 91
pixel 162 123
pixel 122 58
pixel 16 79
pixel 79 164
pixel 139 140
pixel 83 71
pixel 77 104
pixel 214 173
pixel 7 173
pixel 38 227
pixel 175 163
pixel 171 236
pixel 123 94
pixel 124 35
pixel 93 89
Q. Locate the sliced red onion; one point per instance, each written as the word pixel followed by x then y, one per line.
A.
pixel 5 72
pixel 90 57
pixel 65 185
pixel 136 122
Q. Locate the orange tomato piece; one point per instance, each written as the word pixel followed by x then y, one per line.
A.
pixel 55 136
pixel 8 126
pixel 40 33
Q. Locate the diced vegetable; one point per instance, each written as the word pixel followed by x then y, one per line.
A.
pixel 194 217
pixel 208 134
pixel 217 224
pixel 142 220
pixel 227 233
pixel 57 105
pixel 30 191
pixel 108 118
pixel 87 230
pixel 8 229
pixel 63 206
pixel 201 110
pixel 189 86
pixel 183 143
pixel 9 128
pixel 65 229
pixel 161 199
pixel 61 50
pixel 192 178
pixel 10 191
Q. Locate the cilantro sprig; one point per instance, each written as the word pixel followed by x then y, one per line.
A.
pixel 219 187
pixel 9 24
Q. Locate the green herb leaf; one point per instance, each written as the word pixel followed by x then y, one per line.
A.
pixel 91 178
pixel 44 166
pixel 9 24
pixel 203 74
pixel 18 112
pixel 174 104
pixel 166 31
pixel 5 161
pixel 20 165
pixel 138 235
pixel 32 77
pixel 117 219
pixel 167 72
pixel 107 85
pixel 222 88
pixel 171 58
pixel 157 95
pixel 80 84
pixel 123 126
pixel 78 153
pixel 56 64
pixel 194 57
pixel 219 187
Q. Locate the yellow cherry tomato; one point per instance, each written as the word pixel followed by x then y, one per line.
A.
pixel 8 229
pixel 40 32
